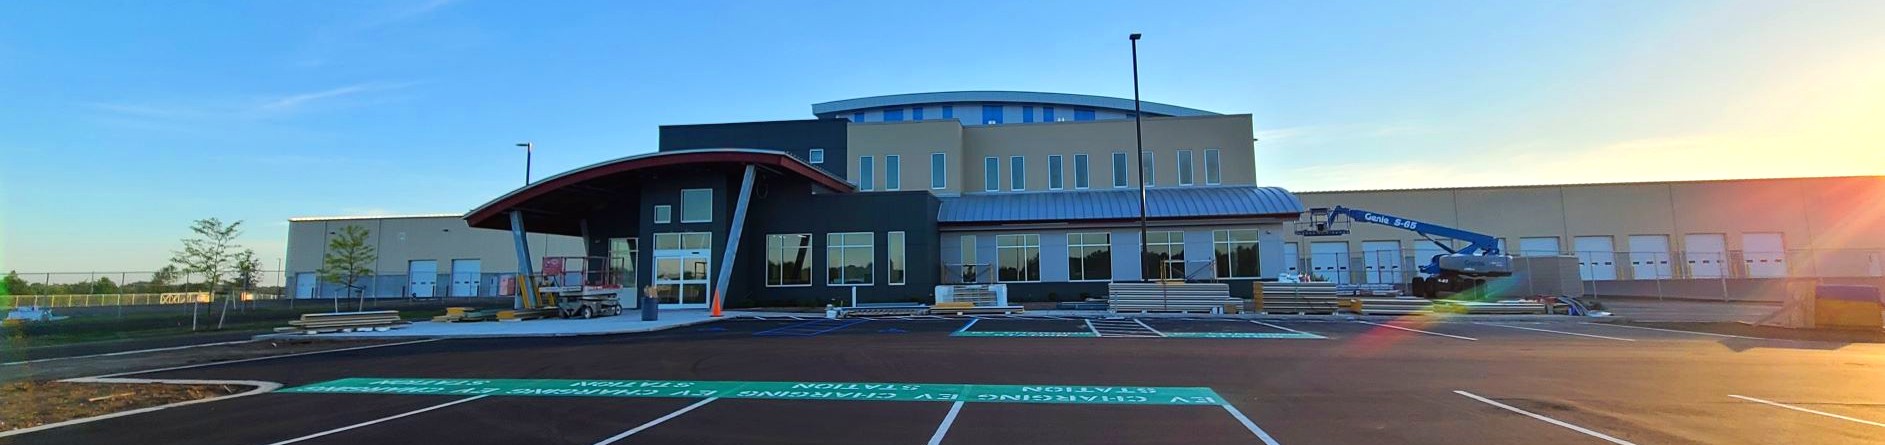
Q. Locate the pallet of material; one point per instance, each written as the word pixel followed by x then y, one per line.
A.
pixel 345 322
pixel 1170 297
pixel 1297 298
pixel 1501 307
pixel 1394 306
pixel 524 314
pixel 966 308
pixel 883 309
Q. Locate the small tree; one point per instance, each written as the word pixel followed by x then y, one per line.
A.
pixel 163 278
pixel 210 253
pixel 347 262
pixel 10 286
pixel 104 286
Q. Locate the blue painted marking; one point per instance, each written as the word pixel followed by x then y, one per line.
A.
pixel 971 322
pixel 808 329
pixel 891 331
pixel 712 329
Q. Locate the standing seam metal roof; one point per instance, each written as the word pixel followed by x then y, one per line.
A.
pixel 1161 202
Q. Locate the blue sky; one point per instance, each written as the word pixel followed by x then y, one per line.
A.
pixel 122 121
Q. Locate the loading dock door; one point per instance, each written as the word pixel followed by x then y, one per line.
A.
pixel 1649 257
pixel 1424 251
pixel 1705 254
pixel 1765 255
pixel 1292 262
pixel 1381 261
pixel 421 277
pixel 466 275
pixel 1596 257
pixel 304 285
pixel 1329 260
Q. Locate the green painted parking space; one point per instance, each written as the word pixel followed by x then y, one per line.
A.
pixel 910 392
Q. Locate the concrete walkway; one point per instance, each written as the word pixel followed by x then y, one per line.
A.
pixel 628 322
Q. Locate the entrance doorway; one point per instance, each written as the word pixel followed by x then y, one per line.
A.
pixel 682 274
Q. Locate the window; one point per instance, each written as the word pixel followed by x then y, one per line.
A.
pixel 789 260
pixel 848 259
pixel 991 114
pixel 857 117
pixel 1119 169
pixel 893 115
pixel 1184 167
pixel 916 114
pixel 1236 253
pixel 1079 171
pixel 991 174
pixel 1018 258
pixel 622 256
pixel 1213 168
pixel 893 172
pixel 938 170
pixel 664 214
pixel 1165 258
pixel 817 156
pixel 696 205
pixel 1082 115
pixel 864 167
pixel 1027 114
pixel 1053 172
pixel 1090 256
pixel 1017 175
pixel 949 111
pixel 1148 167
pixel 894 242
pixel 969 269
pixel 1047 114
pixel 683 240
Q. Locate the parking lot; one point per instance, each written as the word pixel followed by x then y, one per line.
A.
pixel 1035 379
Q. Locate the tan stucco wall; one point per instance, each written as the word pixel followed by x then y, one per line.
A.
pixel 399 240
pixel 1164 136
pixel 912 143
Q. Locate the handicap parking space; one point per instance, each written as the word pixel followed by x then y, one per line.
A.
pixel 1025 327
pixel 1223 328
pixel 508 420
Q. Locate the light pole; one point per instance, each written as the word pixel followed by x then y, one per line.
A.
pixel 528 148
pixel 1138 134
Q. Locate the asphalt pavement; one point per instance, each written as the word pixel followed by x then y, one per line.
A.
pixel 924 380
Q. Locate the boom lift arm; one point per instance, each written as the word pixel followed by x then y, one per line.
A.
pixel 1457 270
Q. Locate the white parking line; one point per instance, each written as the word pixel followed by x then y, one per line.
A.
pixel 1805 410
pixel 657 421
pixel 376 421
pixel 1263 436
pixel 1089 327
pixel 298 354
pixel 943 429
pixel 1147 327
pixel 971 322
pixel 1417 330
pixel 1552 421
pixel 1558 332
pixel 1674 330
pixel 1283 328
pixel 140 351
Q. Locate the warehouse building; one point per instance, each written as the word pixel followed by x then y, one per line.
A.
pixel 889 196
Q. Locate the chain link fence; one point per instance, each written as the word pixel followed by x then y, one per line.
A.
pixel 1710 275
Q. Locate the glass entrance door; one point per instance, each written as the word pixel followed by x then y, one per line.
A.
pixel 681 269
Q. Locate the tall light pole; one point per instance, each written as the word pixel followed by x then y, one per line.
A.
pixel 528 148
pixel 1138 134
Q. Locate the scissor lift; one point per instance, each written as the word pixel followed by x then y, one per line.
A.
pixel 580 287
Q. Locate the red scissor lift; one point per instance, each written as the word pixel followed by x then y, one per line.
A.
pixel 580 287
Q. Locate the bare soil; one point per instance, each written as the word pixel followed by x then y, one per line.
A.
pixel 35 403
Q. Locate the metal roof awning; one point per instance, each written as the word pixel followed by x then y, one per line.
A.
pixel 1122 204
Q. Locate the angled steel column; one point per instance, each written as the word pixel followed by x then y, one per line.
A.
pixel 738 224
pixel 525 289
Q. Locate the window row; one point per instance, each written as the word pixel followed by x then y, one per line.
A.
pixel 696 207
pixel 1089 256
pixel 991 114
pixel 1058 178
pixel 866 178
pixel 850 259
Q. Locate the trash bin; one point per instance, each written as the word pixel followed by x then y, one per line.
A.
pixel 649 311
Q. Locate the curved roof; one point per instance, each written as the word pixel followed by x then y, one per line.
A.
pixel 1076 100
pixel 491 214
pixel 1161 202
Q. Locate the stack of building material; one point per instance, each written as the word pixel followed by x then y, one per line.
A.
pixel 966 308
pixel 345 322
pixel 1170 297
pixel 524 314
pixel 1496 307
pixel 454 314
pixel 883 309
pixel 1394 305
pixel 1295 298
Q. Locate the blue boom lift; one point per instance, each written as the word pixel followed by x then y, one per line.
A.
pixel 1456 271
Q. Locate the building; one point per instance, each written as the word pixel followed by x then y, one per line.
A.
pixel 886 206
pixel 886 197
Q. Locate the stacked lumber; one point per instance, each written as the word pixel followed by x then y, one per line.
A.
pixel 1296 298
pixel 524 314
pixel 1170 297
pixel 455 314
pixel 883 309
pixel 1394 305
pixel 345 322
pixel 968 308
pixel 1499 307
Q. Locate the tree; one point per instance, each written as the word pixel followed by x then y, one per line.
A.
pixel 103 286
pixel 248 271
pixel 163 278
pixel 348 260
pixel 10 286
pixel 210 254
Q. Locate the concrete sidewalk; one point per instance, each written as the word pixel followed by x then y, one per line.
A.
pixel 626 323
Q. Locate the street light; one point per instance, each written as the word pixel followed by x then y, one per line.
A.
pixel 528 148
pixel 1138 133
